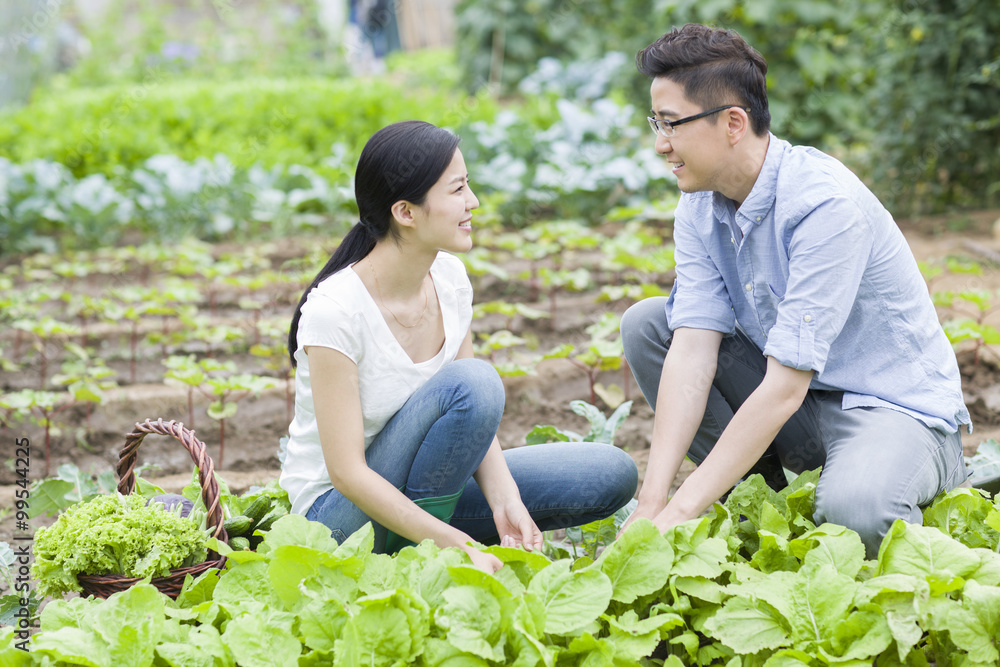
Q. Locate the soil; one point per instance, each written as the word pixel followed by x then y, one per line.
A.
pixel 252 436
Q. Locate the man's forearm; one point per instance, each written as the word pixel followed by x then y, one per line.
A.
pixel 686 379
pixel 746 438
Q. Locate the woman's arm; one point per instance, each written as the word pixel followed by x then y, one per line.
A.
pixel 337 401
pixel 514 523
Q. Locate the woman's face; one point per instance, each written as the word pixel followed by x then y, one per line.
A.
pixel 444 221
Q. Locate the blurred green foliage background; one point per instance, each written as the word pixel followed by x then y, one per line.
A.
pixel 543 92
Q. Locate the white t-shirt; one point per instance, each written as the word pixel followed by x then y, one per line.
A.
pixel 339 313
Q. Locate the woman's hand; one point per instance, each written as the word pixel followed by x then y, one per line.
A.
pixel 488 563
pixel 516 527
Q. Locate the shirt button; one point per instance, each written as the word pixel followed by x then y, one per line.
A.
pixel 758 218
pixel 808 318
pixel 749 287
pixel 732 240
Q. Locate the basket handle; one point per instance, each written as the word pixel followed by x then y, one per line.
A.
pixel 195 447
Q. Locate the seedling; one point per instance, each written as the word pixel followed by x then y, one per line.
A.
pixel 576 280
pixel 602 429
pixel 630 293
pixel 44 331
pixel 971 328
pixel 13 607
pixel 275 355
pixel 199 329
pixel 40 407
pixel 52 495
pixel 507 310
pixel 230 391
pixel 191 374
pixel 85 308
pixel 599 355
pixel 534 252
pixel 478 263
pixel 493 343
pixel 85 378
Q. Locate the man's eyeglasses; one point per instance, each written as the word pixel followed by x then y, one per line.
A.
pixel 667 127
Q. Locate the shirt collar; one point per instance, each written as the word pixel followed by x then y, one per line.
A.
pixel 761 198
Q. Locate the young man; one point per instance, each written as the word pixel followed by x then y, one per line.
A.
pixel 799 331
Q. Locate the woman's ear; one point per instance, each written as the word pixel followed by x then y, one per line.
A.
pixel 402 211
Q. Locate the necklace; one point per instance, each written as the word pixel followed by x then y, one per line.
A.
pixel 378 290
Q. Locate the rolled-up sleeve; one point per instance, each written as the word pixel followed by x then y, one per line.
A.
pixel 699 299
pixel 827 255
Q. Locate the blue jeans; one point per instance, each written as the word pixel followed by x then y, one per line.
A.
pixel 879 465
pixel 437 440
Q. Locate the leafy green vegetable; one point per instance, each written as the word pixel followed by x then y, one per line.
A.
pixel 800 595
pixel 114 534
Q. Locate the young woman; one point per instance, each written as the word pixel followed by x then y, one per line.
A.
pixel 395 421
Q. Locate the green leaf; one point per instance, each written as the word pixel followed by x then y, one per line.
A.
pixel 748 625
pixel 360 543
pixel 471 619
pixel 821 598
pixel 48 497
pixel 612 395
pixel 201 647
pixel 696 554
pixel 790 658
pixel 985 464
pixel 256 643
pixel 863 635
pixel 72 646
pixel 773 554
pixel 10 655
pixel 615 421
pixel 440 653
pixel 379 575
pixel 638 563
pixel 220 410
pixel 961 514
pixel 923 551
pixel 571 599
pixel 594 416
pixel 321 623
pixel 246 587
pixel 635 639
pixel 389 629
pixel 198 590
pixel 975 625
pixel 298 530
pixel 543 434
pixel 833 545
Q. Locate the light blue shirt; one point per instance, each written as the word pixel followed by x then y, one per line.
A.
pixel 815 271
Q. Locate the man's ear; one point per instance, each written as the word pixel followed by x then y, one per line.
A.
pixel 738 124
pixel 402 211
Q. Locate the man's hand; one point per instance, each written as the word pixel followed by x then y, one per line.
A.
pixel 516 527
pixel 642 511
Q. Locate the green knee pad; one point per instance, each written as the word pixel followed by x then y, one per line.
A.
pixel 441 507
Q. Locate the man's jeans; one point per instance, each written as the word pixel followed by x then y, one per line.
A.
pixel 437 440
pixel 879 465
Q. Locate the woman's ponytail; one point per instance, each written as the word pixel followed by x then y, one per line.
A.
pixel 401 162
pixel 355 247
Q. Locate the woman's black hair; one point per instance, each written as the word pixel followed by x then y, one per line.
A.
pixel 401 162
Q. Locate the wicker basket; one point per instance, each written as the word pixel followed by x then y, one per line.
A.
pixel 103 585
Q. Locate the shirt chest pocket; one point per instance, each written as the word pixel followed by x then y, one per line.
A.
pixel 766 299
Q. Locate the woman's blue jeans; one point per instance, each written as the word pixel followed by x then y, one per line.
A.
pixel 437 440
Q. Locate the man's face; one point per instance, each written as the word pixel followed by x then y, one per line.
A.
pixel 698 149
